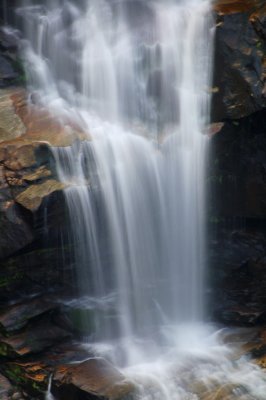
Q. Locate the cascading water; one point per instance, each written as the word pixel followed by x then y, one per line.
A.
pixel 136 76
pixel 143 69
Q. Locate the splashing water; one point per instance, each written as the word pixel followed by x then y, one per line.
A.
pixel 135 75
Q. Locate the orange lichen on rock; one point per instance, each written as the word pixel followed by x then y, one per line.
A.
pixel 41 125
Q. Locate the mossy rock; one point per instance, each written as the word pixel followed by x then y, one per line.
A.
pixel 33 378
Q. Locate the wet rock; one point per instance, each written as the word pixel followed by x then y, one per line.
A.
pixel 40 271
pixel 40 173
pixel 31 377
pixel 41 125
pixel 38 336
pixel 11 125
pixel 240 62
pixel 17 316
pixel 238 278
pixel 215 128
pixel 33 196
pixel 16 231
pixel 22 157
pixel 11 70
pixel 7 72
pixel 237 170
pixel 90 379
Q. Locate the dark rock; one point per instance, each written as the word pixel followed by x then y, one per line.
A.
pixel 238 278
pixel 240 64
pixel 45 271
pixel 17 316
pixel 238 222
pixel 7 71
pixel 11 70
pixel 237 171
pixel 39 335
pixel 17 232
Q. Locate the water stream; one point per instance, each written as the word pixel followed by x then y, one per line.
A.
pixel 135 75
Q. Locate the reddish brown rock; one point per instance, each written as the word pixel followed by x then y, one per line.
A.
pixel 238 6
pixel 95 377
pixel 42 126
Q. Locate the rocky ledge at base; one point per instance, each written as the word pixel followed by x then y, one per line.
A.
pixel 36 261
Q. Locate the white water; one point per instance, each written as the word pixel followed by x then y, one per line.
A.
pixel 135 76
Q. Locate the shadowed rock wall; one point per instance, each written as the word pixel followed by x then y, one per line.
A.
pixel 237 174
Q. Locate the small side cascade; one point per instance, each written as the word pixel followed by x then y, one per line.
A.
pixel 48 394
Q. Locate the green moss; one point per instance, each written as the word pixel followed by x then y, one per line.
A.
pixel 5 350
pixel 19 66
pixel 216 220
pixel 82 320
pixel 216 179
pixel 19 377
pixel 8 280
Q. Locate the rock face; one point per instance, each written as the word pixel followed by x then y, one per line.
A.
pixel 36 260
pixel 238 221
pixel 240 59
pixel 236 174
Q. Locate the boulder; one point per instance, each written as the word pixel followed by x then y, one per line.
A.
pixel 93 378
pixel 39 335
pixel 16 317
pixel 11 126
pixel 33 196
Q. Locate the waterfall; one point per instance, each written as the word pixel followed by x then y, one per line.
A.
pixel 137 73
pixel 136 76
